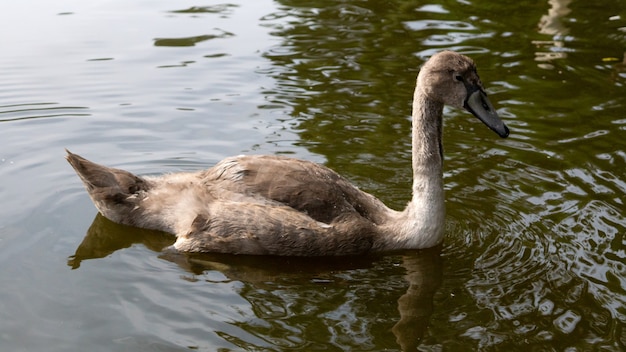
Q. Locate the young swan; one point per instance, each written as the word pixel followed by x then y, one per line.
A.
pixel 273 205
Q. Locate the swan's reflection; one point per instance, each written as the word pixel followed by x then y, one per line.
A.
pixel 261 277
pixel 553 24
pixel 105 237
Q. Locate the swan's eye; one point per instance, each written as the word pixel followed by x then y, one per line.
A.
pixel 459 78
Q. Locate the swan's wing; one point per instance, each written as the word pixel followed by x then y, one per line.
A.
pixel 253 228
pixel 305 186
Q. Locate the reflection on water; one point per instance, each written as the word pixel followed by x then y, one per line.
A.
pixel 223 9
pixel 544 231
pixel 534 251
pixel 189 41
pixel 327 300
pixel 105 237
pixel 552 24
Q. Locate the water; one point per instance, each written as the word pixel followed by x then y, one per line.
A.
pixel 534 250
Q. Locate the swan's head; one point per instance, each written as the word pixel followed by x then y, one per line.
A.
pixel 451 79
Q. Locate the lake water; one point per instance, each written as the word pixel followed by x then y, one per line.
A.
pixel 534 255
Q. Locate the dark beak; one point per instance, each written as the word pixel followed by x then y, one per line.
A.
pixel 478 104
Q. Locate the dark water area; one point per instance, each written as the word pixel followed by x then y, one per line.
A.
pixel 533 257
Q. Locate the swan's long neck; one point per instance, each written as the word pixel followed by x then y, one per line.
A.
pixel 421 224
pixel 427 145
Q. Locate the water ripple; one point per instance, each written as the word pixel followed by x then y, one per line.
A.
pixel 437 24
pixel 595 251
pixel 223 9
pixel 536 254
pixel 190 41
pixel 28 111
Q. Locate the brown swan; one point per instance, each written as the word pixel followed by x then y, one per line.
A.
pixel 273 205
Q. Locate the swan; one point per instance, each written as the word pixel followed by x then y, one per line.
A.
pixel 275 205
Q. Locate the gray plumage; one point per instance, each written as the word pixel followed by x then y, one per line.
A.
pixel 272 205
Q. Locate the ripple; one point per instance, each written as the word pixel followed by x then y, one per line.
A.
pixel 224 9
pixel 594 251
pixel 453 39
pixel 432 8
pixel 535 256
pixel 436 24
pixel 567 321
pixel 28 111
pixel 590 135
pixel 190 41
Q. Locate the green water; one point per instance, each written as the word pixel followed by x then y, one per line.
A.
pixel 534 251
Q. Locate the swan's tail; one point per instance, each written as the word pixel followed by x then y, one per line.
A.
pixel 116 193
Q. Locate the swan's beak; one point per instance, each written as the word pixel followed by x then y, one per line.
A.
pixel 478 104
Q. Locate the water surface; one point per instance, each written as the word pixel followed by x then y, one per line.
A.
pixel 534 249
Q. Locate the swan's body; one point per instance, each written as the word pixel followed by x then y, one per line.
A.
pixel 281 206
